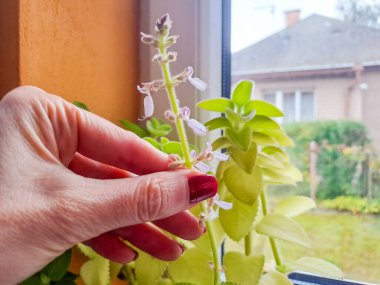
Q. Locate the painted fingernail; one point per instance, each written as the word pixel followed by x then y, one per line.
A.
pixel 182 247
pixel 202 187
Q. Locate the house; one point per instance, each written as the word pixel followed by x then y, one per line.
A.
pixel 317 68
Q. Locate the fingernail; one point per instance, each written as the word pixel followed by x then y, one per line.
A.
pixel 202 187
pixel 182 247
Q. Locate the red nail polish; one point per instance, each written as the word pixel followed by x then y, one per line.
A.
pixel 182 247
pixel 202 187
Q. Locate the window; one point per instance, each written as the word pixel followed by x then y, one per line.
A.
pixel 298 106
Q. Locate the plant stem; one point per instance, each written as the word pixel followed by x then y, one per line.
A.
pixel 129 275
pixel 186 151
pixel 213 246
pixel 273 244
pixel 174 104
pixel 248 244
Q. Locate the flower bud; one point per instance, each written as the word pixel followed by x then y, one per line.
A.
pixel 169 115
pixel 149 39
pixel 172 56
pixel 163 25
pixel 171 41
pixel 158 58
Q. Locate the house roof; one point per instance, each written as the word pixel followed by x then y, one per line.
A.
pixel 316 42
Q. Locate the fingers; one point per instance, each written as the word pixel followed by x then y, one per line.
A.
pixel 183 225
pixel 151 240
pixel 107 205
pixel 92 169
pixel 110 246
pixel 102 141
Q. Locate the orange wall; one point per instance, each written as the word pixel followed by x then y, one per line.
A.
pixel 82 50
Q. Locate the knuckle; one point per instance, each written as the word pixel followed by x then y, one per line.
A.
pixel 151 198
pixel 23 95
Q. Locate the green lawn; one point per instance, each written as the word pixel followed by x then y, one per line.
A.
pixel 351 242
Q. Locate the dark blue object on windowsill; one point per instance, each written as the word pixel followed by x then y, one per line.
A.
pixel 301 278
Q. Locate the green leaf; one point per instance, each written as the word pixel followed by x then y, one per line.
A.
pixel 263 139
pixel 216 105
pixel 203 243
pixel 192 267
pixel 267 161
pixel 134 128
pixel 221 142
pixel 217 123
pixel 242 92
pixel 276 177
pixel 237 222
pixel 184 283
pixel 96 270
pixel 242 139
pixel 263 108
pixel 33 280
pixel 153 142
pixel 293 172
pixel 317 266
pixel 228 283
pixel 245 159
pixel 172 147
pixel 81 105
pixel 284 228
pixel 274 278
pixel 280 136
pixel 294 206
pixel 262 122
pixel 276 152
pixel 56 269
pixel 149 269
pixel 244 186
pixel 244 270
pixel 167 281
pixel 157 128
pixel 115 269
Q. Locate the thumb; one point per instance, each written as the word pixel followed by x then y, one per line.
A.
pixel 106 205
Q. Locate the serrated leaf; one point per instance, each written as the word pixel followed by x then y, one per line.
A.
pixel 274 278
pixel 134 128
pixel 284 228
pixel 264 160
pixel 96 271
pixel 216 105
pixel 276 152
pixel 317 266
pixel 81 105
pixel 293 172
pixel 237 222
pixel 244 186
pixel 56 269
pixel 158 129
pixel 172 147
pixel 245 159
pixel 242 92
pixel 217 123
pixel 294 206
pixel 244 270
pixel 263 139
pixel 262 122
pixel 192 267
pixel 149 269
pixel 263 108
pixel 221 142
pixel 241 139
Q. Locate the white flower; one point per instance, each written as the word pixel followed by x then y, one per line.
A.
pixel 201 166
pixel 148 102
pixel 197 127
pixel 195 81
pixel 221 204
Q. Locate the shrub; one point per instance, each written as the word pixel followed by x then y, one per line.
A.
pixel 341 159
pixel 354 205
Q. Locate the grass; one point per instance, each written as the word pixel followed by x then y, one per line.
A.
pixel 351 242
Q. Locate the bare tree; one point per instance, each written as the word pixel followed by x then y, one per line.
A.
pixel 363 12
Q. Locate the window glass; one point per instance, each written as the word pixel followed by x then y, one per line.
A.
pixel 307 106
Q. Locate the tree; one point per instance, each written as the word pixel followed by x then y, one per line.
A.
pixel 363 12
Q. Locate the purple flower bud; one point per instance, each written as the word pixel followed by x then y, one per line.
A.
pixel 163 24
pixel 220 156
pixel 148 106
pixel 197 127
pixel 184 113
pixel 188 72
pixel 169 114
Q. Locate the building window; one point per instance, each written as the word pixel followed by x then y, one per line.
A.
pixel 298 106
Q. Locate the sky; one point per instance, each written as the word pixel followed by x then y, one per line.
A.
pixel 253 20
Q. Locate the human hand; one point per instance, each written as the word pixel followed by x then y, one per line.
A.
pixel 69 176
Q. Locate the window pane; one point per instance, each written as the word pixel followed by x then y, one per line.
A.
pixel 307 106
pixel 289 104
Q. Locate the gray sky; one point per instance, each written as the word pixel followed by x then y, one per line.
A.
pixel 253 20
